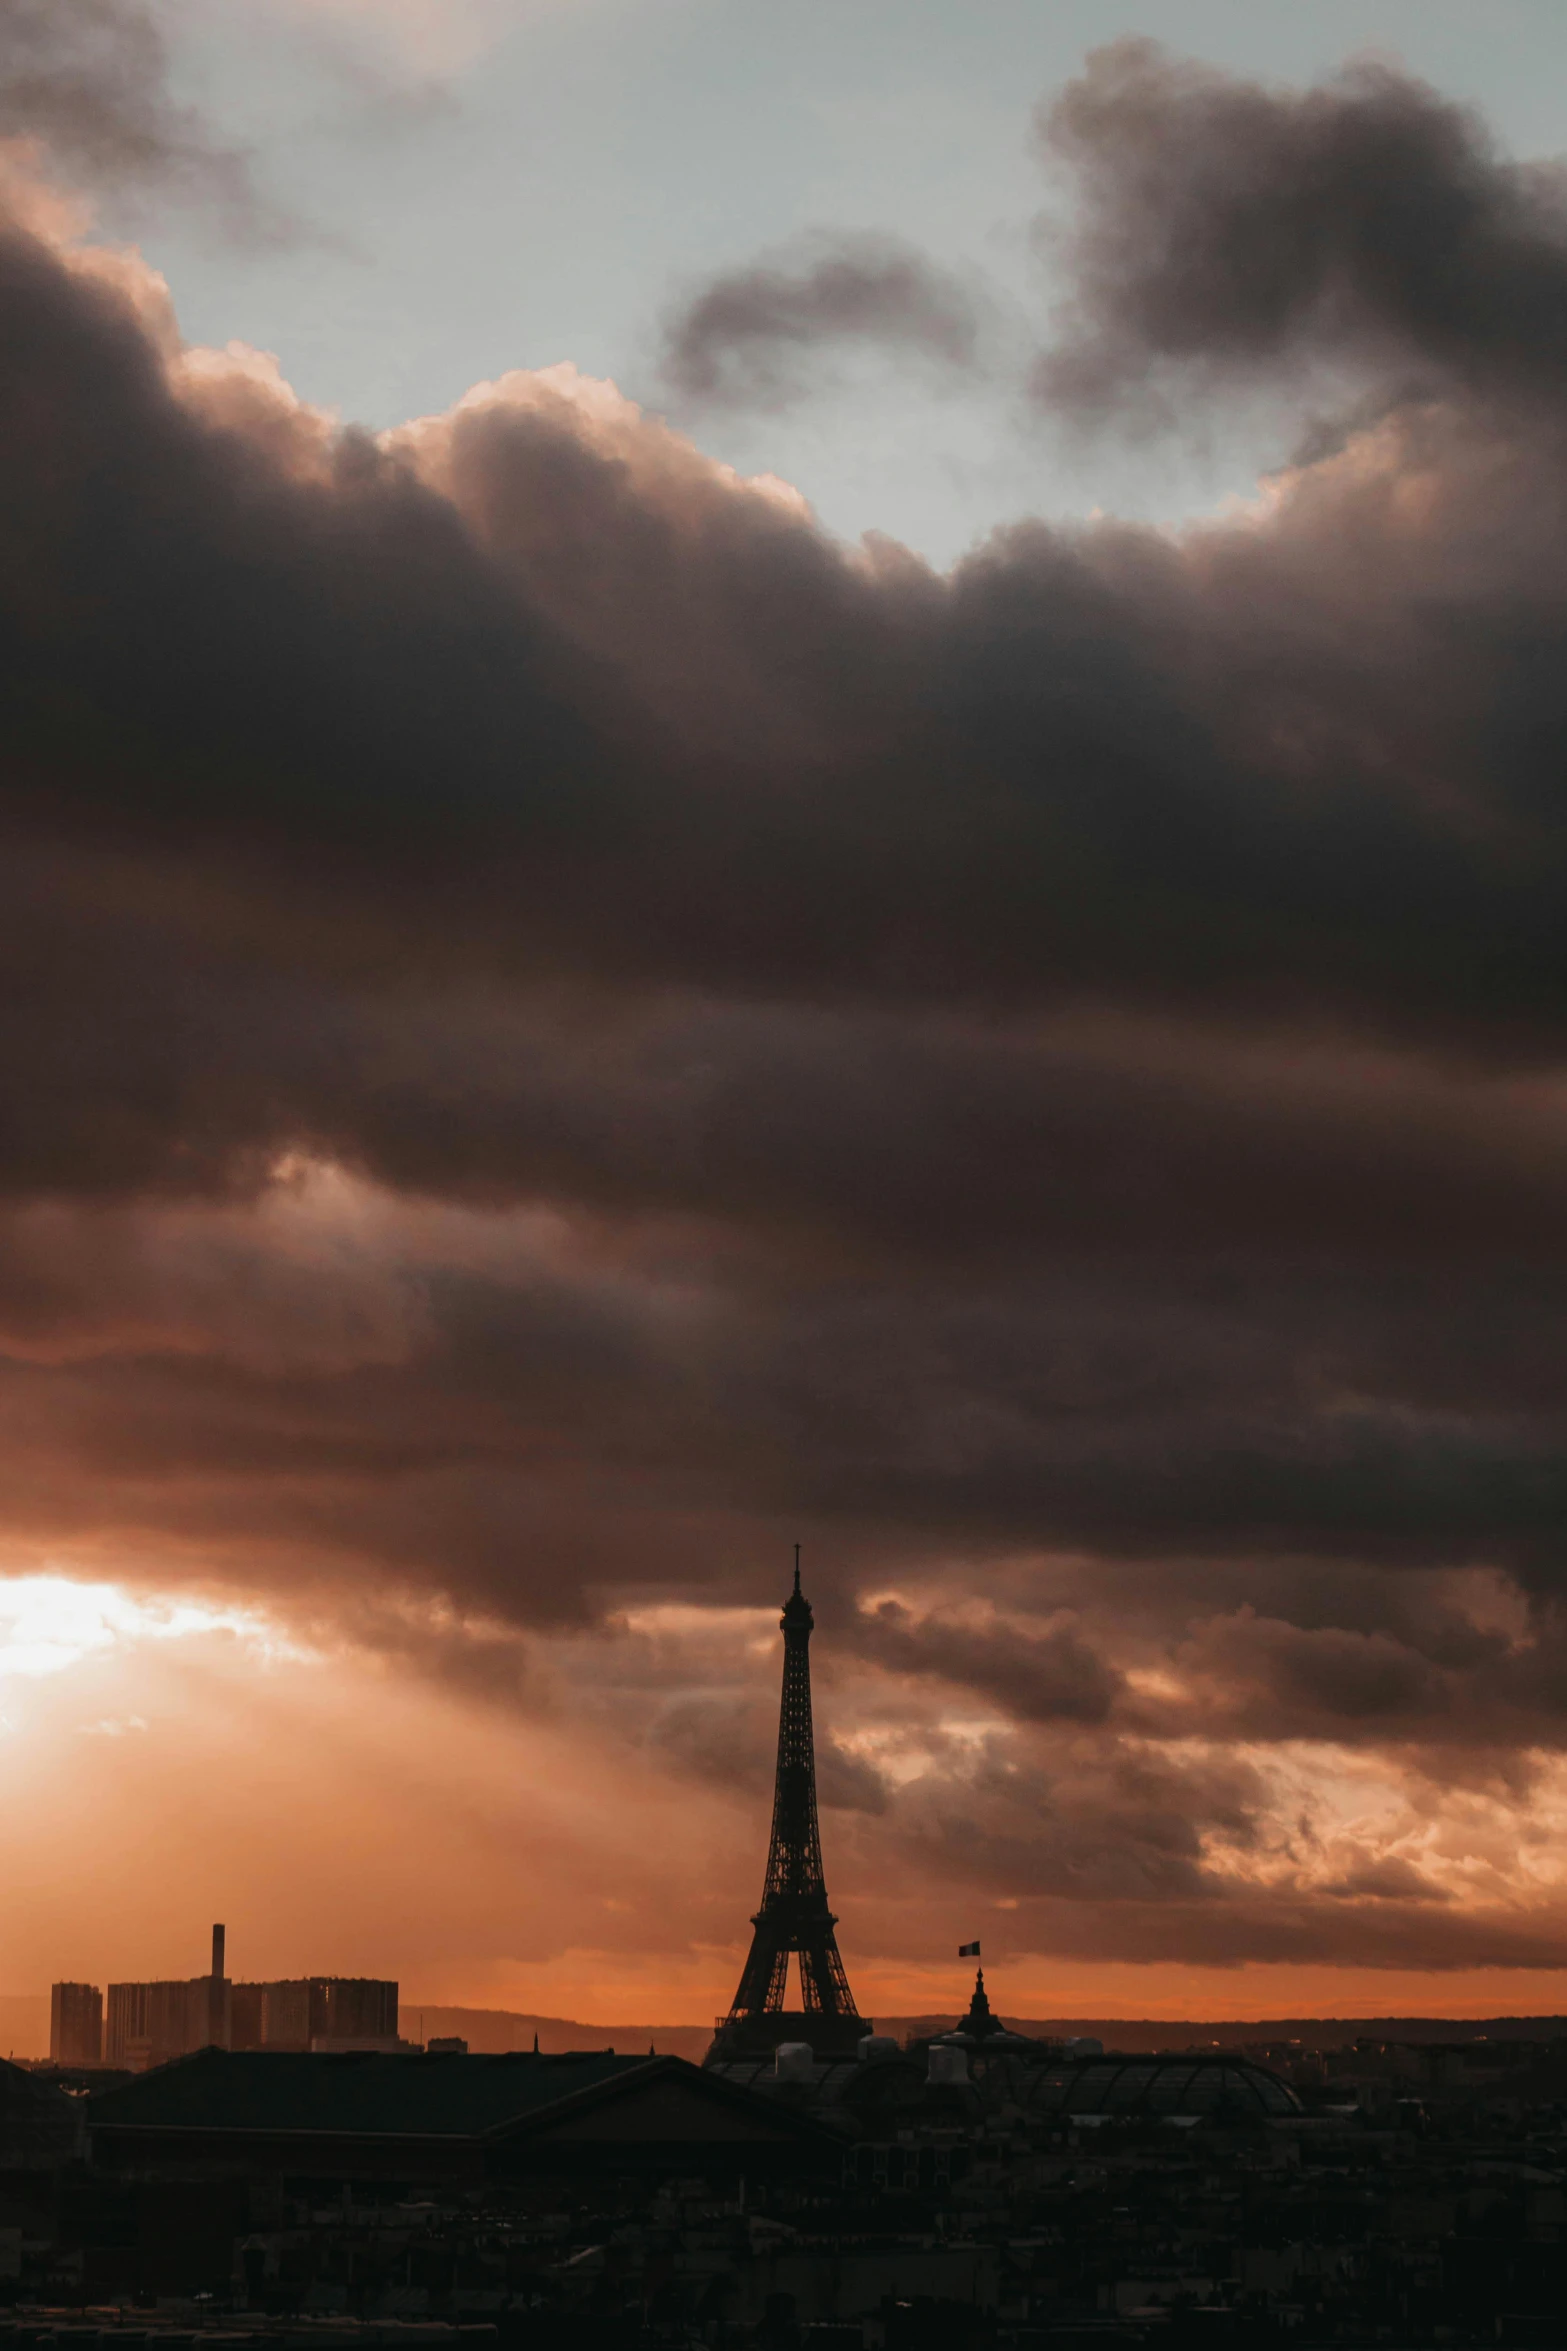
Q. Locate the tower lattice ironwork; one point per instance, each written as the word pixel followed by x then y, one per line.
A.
pixel 794 1917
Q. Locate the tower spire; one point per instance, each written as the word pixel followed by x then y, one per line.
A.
pixel 794 1916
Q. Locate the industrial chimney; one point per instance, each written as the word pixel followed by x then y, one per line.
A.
pixel 217 2004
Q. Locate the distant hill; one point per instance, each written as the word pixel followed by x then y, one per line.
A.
pixel 491 2031
pixel 24 2029
pixel 495 2029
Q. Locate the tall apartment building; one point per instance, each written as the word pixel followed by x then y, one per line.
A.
pixel 308 2012
pixel 148 2024
pixel 75 2024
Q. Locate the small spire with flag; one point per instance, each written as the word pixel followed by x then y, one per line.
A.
pixel 968 1950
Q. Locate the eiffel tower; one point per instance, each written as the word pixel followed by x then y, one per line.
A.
pixel 794 1916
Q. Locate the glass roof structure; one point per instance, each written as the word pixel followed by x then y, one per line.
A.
pixel 1163 2085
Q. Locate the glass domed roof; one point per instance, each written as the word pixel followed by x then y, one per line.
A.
pixel 1164 2085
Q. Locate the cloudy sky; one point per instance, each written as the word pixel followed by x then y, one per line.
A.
pixel 785 777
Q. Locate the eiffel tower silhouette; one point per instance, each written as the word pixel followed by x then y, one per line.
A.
pixel 794 1917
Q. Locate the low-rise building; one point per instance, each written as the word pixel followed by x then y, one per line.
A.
pixel 421 2119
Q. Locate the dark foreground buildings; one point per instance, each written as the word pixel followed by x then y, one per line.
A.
pixel 814 2187
pixel 987 2192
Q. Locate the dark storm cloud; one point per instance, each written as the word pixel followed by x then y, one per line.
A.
pixel 330 694
pixel 1106 1854
pixel 541 1438
pixel 1228 225
pixel 1101 1829
pixel 1392 1880
pixel 756 337
pixel 90 78
pixel 1052 1676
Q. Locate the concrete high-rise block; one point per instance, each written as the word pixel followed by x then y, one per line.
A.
pixel 75 2024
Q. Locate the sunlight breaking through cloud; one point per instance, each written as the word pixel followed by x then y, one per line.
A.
pixel 49 1623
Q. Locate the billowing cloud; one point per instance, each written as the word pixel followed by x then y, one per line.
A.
pixel 1229 226
pixel 757 337
pixel 1049 1675
pixel 91 81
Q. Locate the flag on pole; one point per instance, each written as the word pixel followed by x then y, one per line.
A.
pixel 968 1950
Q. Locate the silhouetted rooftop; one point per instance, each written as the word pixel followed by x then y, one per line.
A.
pixel 39 2124
pixel 1185 2085
pixel 430 2097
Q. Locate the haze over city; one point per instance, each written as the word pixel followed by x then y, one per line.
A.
pixel 784 776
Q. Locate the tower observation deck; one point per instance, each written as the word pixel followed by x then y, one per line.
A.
pixel 794 1919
